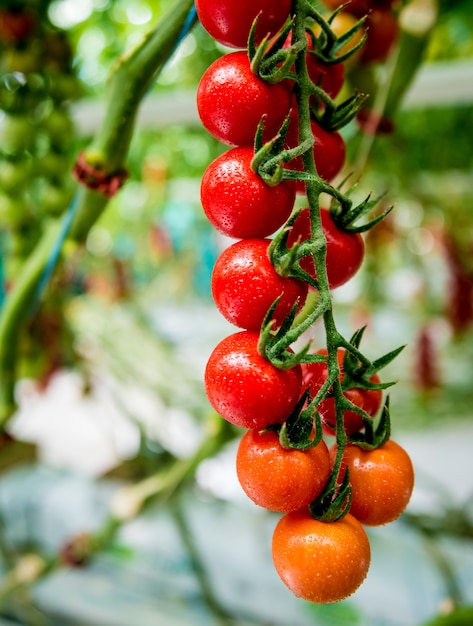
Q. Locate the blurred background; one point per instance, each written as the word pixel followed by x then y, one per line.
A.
pixel 118 497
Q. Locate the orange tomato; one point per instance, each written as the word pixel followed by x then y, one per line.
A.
pixel 382 482
pixel 319 561
pixel 277 478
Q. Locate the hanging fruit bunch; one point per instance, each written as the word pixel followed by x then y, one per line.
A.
pixel 271 100
pixel 37 86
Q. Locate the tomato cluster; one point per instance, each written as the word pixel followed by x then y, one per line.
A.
pixel 319 560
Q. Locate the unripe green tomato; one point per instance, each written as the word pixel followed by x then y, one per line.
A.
pixel 14 174
pixel 17 133
pixel 14 211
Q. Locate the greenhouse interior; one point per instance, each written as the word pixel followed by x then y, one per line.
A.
pixel 236 294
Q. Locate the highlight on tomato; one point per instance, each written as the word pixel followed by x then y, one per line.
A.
pixel 245 284
pixel 382 481
pixel 245 388
pixel 236 200
pixel 229 22
pixel 277 478
pixel 232 100
pixel 320 561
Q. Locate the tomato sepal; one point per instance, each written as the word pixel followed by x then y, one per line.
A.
pixel 269 60
pixel 327 45
pixel 335 500
pixel 374 438
pixel 303 428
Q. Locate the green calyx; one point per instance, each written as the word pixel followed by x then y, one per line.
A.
pixel 345 214
pixel 328 44
pixel 303 429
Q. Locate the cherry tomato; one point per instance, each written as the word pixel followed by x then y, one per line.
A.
pixel 245 388
pixel 319 561
pixel 238 203
pixel 345 250
pixel 231 101
pixel 277 478
pixel 229 22
pixel 382 482
pixel 382 34
pixel 329 76
pixel 329 151
pixel 314 376
pixel 245 284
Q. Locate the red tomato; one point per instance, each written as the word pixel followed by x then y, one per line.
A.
pixel 329 76
pixel 277 478
pixel 370 400
pixel 320 562
pixel 345 250
pixel 229 22
pixel 231 101
pixel 238 203
pixel 245 285
pixel 245 388
pixel 382 31
pixel 329 151
pixel 382 482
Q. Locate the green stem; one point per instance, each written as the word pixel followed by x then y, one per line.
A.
pixel 16 309
pixel 314 187
pixel 129 83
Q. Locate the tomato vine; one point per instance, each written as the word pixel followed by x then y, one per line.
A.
pixel 242 380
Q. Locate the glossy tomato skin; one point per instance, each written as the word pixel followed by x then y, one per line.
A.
pixel 231 101
pixel 229 22
pixel 345 250
pixel 238 203
pixel 329 151
pixel 321 562
pixel 245 284
pixel 382 482
pixel 277 478
pixel 314 376
pixel 245 388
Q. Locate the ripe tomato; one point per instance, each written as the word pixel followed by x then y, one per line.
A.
pixel 329 76
pixel 345 250
pixel 245 284
pixel 277 478
pixel 329 151
pixel 382 482
pixel 229 22
pixel 238 203
pixel 231 101
pixel 370 400
pixel 383 31
pixel 320 561
pixel 245 388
